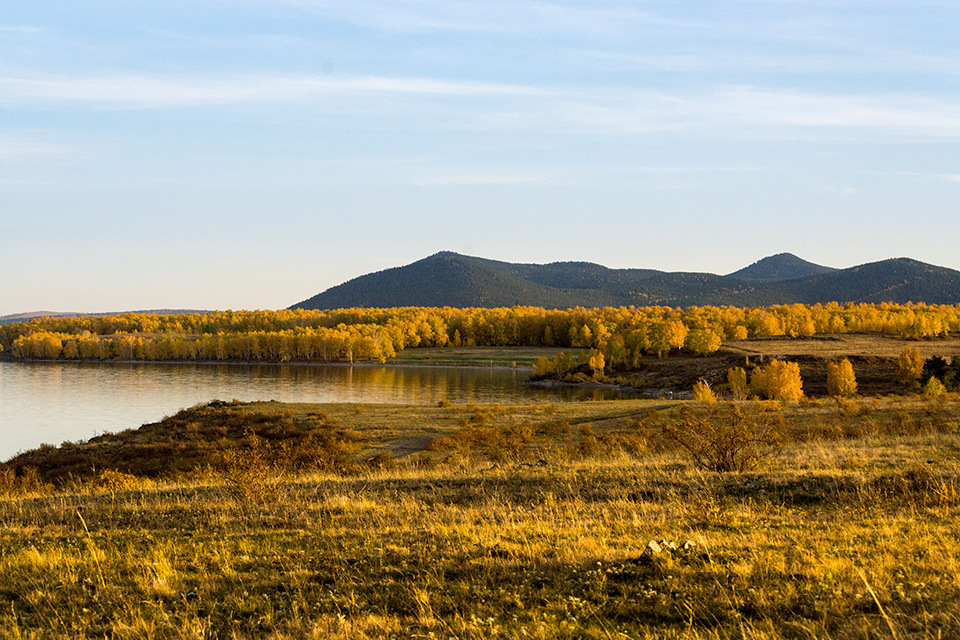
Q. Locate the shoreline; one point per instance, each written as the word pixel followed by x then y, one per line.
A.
pixel 294 363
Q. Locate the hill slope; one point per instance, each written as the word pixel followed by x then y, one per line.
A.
pixel 782 266
pixel 450 279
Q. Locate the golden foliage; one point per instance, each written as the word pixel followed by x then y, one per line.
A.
pixel 620 333
pixel 737 381
pixel 778 380
pixel 702 392
pixel 841 380
pixel 934 388
pixel 909 366
pixel 702 342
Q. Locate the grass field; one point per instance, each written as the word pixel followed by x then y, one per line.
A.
pixel 843 345
pixel 475 356
pixel 513 521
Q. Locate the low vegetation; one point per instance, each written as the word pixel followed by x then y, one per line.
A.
pixel 829 518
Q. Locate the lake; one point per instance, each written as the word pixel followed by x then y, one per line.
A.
pixel 55 402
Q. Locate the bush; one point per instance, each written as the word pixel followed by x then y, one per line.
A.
pixel 934 388
pixel 777 381
pixel 841 380
pixel 702 392
pixel 725 439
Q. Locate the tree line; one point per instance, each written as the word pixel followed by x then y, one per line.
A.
pixel 621 334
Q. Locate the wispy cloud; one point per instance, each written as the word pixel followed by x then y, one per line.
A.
pixel 717 112
pixel 18 28
pixel 904 114
pixel 748 111
pixel 493 16
pixel 481 179
pixel 668 169
pixel 948 177
pixel 168 91
pixel 13 148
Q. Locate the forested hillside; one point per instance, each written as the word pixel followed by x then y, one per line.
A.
pixel 450 279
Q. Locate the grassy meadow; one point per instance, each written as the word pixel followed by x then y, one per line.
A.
pixel 494 521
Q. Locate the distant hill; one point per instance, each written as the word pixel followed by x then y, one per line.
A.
pixel 30 315
pixel 782 266
pixel 451 279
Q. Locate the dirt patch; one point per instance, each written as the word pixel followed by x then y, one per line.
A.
pixel 409 446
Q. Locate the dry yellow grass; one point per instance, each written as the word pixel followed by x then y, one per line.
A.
pixel 849 531
pixel 843 345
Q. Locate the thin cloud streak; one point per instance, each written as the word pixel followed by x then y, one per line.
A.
pixel 156 92
pixel 732 110
pixel 916 115
pixel 504 18
pixel 18 28
pixel 10 148
pixel 471 180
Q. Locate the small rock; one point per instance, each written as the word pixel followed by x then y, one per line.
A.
pixel 688 545
pixel 653 548
pixel 668 545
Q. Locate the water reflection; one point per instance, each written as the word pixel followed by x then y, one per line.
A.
pixel 55 402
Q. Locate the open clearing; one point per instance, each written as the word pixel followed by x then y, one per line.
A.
pixel 843 345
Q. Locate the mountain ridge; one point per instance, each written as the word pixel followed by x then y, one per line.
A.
pixel 451 279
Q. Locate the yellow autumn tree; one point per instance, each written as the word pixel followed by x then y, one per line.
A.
pixel 778 380
pixel 909 366
pixel 597 363
pixel 841 381
pixel 737 381
pixel 667 335
pixel 702 342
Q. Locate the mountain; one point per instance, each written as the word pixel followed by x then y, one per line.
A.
pixel 451 279
pixel 782 266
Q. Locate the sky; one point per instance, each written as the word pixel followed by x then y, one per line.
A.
pixel 248 154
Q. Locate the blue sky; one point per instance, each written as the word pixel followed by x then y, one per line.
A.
pixel 249 154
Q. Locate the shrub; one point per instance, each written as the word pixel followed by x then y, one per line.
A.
pixel 116 481
pixel 777 381
pixel 934 388
pixel 702 392
pixel 725 439
pixel 841 380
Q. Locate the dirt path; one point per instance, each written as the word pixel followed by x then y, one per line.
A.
pixel 408 446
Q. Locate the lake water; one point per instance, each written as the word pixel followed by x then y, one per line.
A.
pixel 56 402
